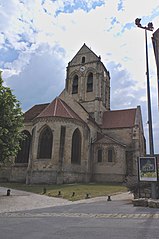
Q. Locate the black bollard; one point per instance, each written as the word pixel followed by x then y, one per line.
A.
pixel 59 193
pixel 87 196
pixel 109 198
pixel 8 192
pixel 44 190
pixel 73 194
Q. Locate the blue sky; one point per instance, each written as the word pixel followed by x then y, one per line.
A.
pixel 38 38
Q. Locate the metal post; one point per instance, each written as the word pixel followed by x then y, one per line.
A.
pixel 150 28
pixel 149 101
pixel 153 184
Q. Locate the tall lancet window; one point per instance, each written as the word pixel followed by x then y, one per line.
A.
pixel 75 85
pixel 45 144
pixel 90 82
pixel 76 147
pixel 23 154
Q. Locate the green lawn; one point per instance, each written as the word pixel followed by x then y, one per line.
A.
pixel 67 190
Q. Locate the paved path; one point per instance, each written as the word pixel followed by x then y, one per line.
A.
pixel 21 200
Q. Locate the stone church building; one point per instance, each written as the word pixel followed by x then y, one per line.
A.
pixel 77 137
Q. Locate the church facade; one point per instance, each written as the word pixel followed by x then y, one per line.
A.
pixel 77 137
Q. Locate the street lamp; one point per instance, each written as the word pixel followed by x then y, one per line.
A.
pixel 149 27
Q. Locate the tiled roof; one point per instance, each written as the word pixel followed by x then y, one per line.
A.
pixel 119 119
pixel 34 111
pixel 58 108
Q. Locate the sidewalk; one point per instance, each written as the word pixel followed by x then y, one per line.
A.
pixel 21 200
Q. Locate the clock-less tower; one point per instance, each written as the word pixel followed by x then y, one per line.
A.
pixel 88 81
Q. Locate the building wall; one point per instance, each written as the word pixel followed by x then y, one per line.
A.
pixel 98 100
pixel 123 135
pixel 53 167
pixel 128 143
pixel 106 171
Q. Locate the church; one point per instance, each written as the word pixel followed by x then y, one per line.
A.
pixel 77 138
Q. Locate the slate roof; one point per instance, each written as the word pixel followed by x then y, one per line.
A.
pixel 58 108
pixel 34 111
pixel 119 119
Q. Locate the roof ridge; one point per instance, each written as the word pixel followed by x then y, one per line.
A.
pixel 66 108
pixel 54 113
pixel 121 110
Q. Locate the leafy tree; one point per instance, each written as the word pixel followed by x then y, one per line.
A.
pixel 11 121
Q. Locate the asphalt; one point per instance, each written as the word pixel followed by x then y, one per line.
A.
pixel 22 201
pixel 25 215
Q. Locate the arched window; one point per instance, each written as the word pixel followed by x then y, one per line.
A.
pixel 99 155
pixel 45 143
pixel 83 59
pixel 75 85
pixel 110 155
pixel 90 82
pixel 76 147
pixel 23 154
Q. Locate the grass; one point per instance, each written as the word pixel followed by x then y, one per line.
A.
pixel 67 190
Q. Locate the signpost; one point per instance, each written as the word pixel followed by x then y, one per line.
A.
pixel 147 169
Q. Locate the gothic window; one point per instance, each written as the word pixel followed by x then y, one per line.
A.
pixel 76 147
pixel 75 85
pixel 45 144
pixel 23 154
pixel 110 155
pixel 83 59
pixel 90 82
pixel 99 155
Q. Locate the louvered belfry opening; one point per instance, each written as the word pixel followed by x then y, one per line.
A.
pixel 75 85
pixel 90 82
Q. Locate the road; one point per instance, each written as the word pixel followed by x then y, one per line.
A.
pixel 98 219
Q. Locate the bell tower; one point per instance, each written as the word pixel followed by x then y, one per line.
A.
pixel 88 81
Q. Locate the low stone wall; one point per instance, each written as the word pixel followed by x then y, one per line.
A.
pixel 144 202
pixel 102 178
pixel 76 177
pixel 18 173
pixel 40 176
pixel 5 173
pixel 14 173
pixel 140 202
pixel 54 177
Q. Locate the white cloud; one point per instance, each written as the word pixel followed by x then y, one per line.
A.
pixel 39 29
pixel 37 84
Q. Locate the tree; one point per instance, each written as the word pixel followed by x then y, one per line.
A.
pixel 11 121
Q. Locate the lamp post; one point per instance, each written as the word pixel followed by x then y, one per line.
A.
pixel 149 27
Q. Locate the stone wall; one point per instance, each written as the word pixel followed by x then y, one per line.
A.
pixel 42 176
pixel 5 173
pixel 105 177
pixel 105 171
pixel 50 170
pixel 18 173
